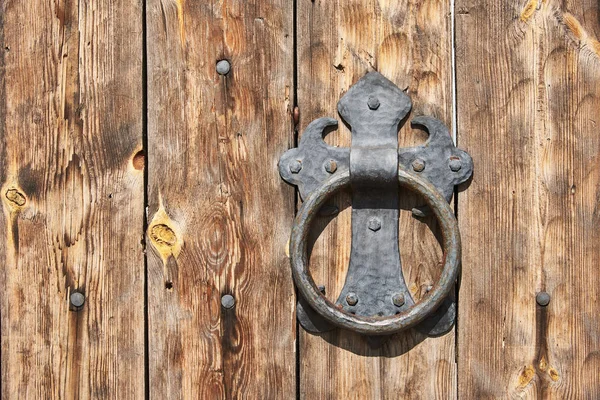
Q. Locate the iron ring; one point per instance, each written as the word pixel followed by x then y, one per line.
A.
pixel 374 325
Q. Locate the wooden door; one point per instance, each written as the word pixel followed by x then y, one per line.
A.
pixel 137 177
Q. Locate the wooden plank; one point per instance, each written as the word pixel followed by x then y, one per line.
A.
pixel 70 127
pixel 528 84
pixel 220 215
pixel 409 43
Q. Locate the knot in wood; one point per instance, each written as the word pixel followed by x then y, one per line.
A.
pixel 16 197
pixel 163 235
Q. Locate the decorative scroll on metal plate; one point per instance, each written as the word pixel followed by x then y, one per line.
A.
pixel 375 299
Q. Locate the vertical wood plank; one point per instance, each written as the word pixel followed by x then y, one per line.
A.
pixel 220 215
pixel 528 85
pixel 409 43
pixel 72 199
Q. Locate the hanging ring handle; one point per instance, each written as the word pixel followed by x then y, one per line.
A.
pixel 373 325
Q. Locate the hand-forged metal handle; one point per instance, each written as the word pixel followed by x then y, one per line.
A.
pixel 365 324
pixel 375 299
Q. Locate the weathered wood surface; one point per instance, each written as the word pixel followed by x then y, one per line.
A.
pixel 409 43
pixel 72 199
pixel 529 114
pixel 72 166
pixel 219 214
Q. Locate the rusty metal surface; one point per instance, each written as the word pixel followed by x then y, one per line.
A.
pixel 375 299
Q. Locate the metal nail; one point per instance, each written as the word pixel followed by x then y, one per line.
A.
pixel 374 224
pixel 295 166
pixel 331 166
pixel 223 67
pixel 352 299
pixel 543 299
pixel 227 301
pixel 373 102
pixel 77 299
pixel 399 299
pixel 455 164
pixel 418 165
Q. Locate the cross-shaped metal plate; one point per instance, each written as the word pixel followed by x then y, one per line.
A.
pixel 374 107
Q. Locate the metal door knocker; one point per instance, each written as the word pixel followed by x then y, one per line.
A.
pixel 375 299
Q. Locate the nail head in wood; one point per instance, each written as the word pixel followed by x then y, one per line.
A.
pixel 543 299
pixel 77 299
pixel 227 301
pixel 223 67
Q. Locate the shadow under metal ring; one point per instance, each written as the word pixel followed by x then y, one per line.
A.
pixel 374 325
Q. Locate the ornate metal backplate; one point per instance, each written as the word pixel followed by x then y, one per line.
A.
pixel 374 108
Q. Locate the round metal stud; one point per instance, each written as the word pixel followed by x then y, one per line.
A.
pixel 455 164
pixel 227 301
pixel 352 299
pixel 543 299
pixel 77 299
pixel 373 102
pixel 295 166
pixel 374 224
pixel 418 165
pixel 398 299
pixel 223 67
pixel 331 166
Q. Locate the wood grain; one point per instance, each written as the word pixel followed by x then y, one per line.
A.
pixel 409 43
pixel 72 199
pixel 220 215
pixel 528 85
